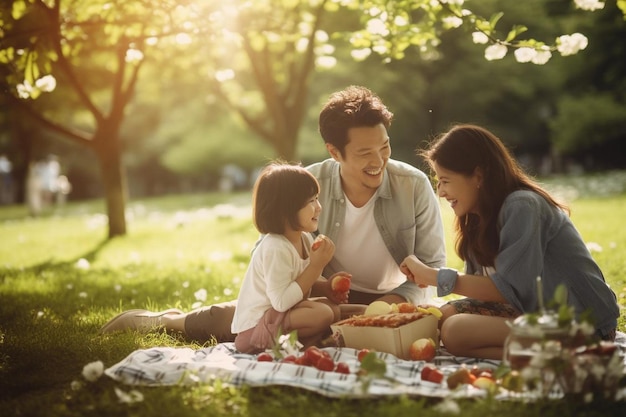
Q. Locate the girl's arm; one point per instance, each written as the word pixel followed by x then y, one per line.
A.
pixel 473 286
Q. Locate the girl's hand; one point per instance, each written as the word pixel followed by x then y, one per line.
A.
pixel 322 250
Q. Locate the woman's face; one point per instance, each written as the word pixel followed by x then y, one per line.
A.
pixel 461 191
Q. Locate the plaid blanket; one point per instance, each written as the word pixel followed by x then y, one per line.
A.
pixel 161 366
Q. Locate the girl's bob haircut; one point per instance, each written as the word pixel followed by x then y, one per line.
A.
pixel 280 191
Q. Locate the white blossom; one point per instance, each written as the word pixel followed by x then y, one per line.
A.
pixel 494 52
pixel 452 22
pixel 590 5
pixel 594 247
pixel 286 344
pixel 448 406
pixel 132 396
pixel 82 263
pixel 542 56
pixel 224 75
pixel 525 54
pixel 479 38
pixel 47 83
pixel 360 54
pixel 133 55
pixel 571 44
pixel 24 89
pixel 457 2
pixel 377 27
pixel 201 294
pixel 93 370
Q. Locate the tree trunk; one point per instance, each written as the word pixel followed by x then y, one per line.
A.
pixel 286 148
pixel 114 181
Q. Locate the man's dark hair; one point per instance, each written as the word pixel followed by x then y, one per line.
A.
pixel 354 106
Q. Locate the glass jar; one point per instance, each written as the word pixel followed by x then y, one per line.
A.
pixel 533 335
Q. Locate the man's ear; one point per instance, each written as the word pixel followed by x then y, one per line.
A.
pixel 333 151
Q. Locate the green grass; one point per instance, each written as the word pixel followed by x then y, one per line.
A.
pixel 51 309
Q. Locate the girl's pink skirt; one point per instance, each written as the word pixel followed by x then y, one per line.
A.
pixel 265 333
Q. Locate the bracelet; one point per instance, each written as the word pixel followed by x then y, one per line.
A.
pixel 446 280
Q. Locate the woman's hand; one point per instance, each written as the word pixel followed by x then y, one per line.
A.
pixel 414 270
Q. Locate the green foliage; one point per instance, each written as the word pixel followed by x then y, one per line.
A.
pixel 582 122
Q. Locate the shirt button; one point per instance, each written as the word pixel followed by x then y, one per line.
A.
pixel 342 201
pixel 337 224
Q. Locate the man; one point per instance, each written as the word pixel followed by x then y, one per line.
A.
pixel 371 202
pixel 376 210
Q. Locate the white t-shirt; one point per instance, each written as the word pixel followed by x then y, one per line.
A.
pixel 358 251
pixel 270 280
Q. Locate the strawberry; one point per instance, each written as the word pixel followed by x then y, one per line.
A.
pixel 264 357
pixel 432 374
pixel 362 354
pixel 342 368
pixel 325 363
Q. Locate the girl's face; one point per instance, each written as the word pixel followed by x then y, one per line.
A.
pixel 461 191
pixel 308 215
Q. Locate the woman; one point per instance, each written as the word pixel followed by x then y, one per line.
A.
pixel 509 231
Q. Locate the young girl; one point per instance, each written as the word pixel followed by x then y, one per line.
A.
pixel 509 231
pixel 274 294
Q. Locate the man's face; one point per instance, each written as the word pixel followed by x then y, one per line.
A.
pixel 364 160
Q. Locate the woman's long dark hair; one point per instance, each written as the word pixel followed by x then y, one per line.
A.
pixel 463 149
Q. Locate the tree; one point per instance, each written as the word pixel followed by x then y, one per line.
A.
pixel 260 53
pixel 96 49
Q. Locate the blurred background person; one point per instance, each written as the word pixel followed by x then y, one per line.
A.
pixel 6 180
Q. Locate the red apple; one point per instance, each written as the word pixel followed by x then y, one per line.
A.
pixel 340 283
pixel 423 349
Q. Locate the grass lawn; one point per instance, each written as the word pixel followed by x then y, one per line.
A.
pixel 60 280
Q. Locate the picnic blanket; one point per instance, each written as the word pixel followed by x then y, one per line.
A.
pixel 162 366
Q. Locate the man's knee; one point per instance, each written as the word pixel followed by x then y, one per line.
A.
pixel 213 321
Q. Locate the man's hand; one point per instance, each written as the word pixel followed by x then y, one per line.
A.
pixel 338 288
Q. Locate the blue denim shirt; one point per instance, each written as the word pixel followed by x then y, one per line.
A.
pixel 406 211
pixel 537 239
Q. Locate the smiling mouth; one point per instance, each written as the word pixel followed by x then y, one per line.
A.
pixel 453 203
pixel 373 172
